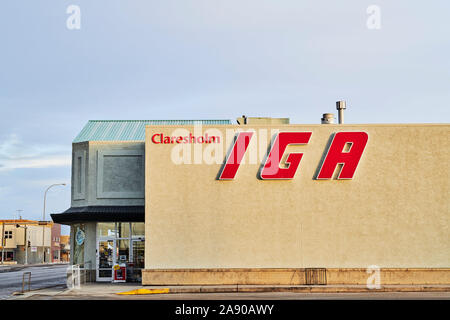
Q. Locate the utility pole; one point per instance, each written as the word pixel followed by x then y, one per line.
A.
pixel 18 214
pixel 43 243
pixel 26 246
pixel 25 241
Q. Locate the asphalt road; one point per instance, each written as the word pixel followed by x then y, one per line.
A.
pixel 252 296
pixel 41 277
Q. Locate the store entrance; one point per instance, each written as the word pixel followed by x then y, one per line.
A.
pixel 120 244
pixel 110 253
pixel 105 259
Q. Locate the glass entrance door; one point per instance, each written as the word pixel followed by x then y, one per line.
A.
pixel 105 259
pixel 120 243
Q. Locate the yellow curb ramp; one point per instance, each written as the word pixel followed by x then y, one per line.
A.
pixel 145 291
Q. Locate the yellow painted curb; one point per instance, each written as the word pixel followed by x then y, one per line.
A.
pixel 145 291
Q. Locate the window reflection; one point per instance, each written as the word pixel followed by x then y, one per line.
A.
pixel 123 229
pixel 123 251
pixel 106 229
pixel 138 229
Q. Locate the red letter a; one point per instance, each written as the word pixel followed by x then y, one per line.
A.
pixel 348 158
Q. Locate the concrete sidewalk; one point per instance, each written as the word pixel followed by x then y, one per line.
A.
pixel 110 291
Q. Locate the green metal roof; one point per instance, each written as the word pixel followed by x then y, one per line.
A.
pixel 129 130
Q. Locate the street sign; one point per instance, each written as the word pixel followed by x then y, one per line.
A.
pixel 33 249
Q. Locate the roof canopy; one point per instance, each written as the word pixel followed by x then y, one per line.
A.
pixel 100 214
pixel 130 130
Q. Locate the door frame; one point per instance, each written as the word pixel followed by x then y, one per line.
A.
pixel 97 260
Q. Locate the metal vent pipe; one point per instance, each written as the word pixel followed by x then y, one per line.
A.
pixel 327 118
pixel 341 106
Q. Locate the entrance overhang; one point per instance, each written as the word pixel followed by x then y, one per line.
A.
pixel 100 214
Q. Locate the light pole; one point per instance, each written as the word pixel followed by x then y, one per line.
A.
pixel 43 219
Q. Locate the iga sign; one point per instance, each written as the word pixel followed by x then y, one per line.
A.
pixel 346 149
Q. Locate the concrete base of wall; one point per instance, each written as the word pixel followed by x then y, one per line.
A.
pixel 89 276
pixel 289 276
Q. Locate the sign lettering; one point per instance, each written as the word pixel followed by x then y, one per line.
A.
pixel 346 149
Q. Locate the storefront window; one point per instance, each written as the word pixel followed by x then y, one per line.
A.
pixel 138 229
pixel 123 229
pixel 106 229
pixel 8 255
pixel 123 251
pixel 120 243
pixel 138 253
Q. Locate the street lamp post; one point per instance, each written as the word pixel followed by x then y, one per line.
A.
pixel 43 219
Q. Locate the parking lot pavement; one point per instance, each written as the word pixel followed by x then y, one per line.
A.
pixel 41 276
pixel 256 296
pixel 108 292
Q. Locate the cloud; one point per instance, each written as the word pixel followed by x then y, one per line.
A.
pixel 44 162
pixel 15 154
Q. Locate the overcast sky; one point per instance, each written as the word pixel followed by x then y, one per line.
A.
pixel 192 59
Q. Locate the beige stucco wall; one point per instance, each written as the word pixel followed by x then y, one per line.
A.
pixel 393 214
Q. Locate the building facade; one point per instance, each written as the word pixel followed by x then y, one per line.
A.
pixel 25 242
pixel 107 212
pixel 65 248
pixel 264 203
pixel 56 242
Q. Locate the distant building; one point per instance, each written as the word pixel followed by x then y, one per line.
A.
pixel 25 241
pixel 55 244
pixel 65 248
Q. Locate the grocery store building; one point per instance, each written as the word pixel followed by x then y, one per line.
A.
pixel 183 202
